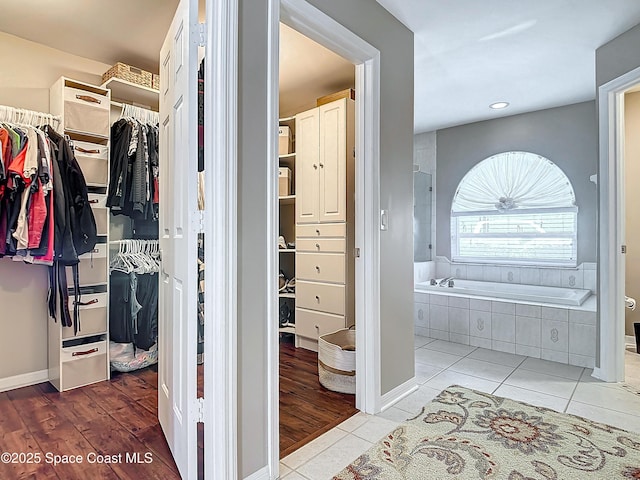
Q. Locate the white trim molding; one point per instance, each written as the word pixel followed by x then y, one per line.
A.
pixel 220 239
pixel 23 380
pixel 316 25
pixel 611 205
pixel 401 391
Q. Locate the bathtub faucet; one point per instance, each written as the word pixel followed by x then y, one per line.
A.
pixel 446 282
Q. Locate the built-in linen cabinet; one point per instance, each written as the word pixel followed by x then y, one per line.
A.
pixel 324 214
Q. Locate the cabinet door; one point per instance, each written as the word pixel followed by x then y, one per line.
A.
pixel 333 162
pixel 307 166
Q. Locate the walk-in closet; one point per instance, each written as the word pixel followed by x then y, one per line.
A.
pixel 316 147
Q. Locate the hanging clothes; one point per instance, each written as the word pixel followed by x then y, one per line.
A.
pixel 135 169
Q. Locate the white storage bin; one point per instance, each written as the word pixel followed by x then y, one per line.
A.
pixel 93 315
pixel 94 162
pixel 83 365
pixel 98 203
pixel 93 267
pixel 86 112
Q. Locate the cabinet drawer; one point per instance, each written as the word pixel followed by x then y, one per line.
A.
pixel 94 162
pixel 312 324
pixel 325 245
pixel 93 315
pixel 86 112
pixel 100 212
pixel 321 267
pixel 83 364
pixel 322 230
pixel 321 297
pixel 93 267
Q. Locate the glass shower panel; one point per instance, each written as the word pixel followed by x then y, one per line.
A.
pixel 422 193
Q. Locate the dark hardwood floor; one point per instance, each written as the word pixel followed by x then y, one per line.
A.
pixel 121 415
pixel 307 409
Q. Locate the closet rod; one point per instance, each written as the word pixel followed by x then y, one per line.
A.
pixel 28 117
pixel 121 104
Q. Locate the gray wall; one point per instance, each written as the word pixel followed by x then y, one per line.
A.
pixel 374 24
pixel 619 56
pixel 568 136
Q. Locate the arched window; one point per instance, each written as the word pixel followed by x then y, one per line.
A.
pixel 515 208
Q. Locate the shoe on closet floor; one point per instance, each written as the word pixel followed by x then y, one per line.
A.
pixel 282 244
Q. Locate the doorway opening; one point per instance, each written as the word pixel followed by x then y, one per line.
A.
pixel 317 26
pixel 619 111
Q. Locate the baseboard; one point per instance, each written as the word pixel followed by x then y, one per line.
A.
pixel 597 373
pixel 262 474
pixel 394 396
pixel 629 340
pixel 23 380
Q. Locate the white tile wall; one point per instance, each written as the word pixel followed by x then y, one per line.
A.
pixel 555 335
pixel 572 278
pixel 559 334
pixel 528 332
pixel 503 327
pixel 530 276
pixel 484 305
pixel 550 277
pixel 480 324
pixel 509 274
pixel 439 317
pixel 590 280
pixel 475 272
pixel 459 271
pixel 491 273
pixel 459 320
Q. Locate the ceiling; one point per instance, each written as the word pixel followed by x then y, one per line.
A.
pixel 533 54
pixel 308 71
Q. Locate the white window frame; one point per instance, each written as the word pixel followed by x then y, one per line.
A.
pixel 455 236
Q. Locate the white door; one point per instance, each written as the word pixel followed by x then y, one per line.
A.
pixel 333 162
pixel 307 166
pixel 177 329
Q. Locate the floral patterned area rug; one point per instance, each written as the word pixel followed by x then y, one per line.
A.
pixel 466 434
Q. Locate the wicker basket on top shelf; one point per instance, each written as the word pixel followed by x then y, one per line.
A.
pixel 130 74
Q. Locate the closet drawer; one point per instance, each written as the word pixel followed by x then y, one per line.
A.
pixel 93 267
pixel 93 315
pixel 325 245
pixel 321 267
pixel 83 364
pixel 321 297
pixel 322 230
pixel 86 112
pixel 94 162
pixel 100 212
pixel 312 324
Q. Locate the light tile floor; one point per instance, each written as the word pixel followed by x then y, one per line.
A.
pixel 564 388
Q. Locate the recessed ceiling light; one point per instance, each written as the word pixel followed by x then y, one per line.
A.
pixel 499 105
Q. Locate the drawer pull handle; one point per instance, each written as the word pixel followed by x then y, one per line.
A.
pixel 87 98
pixel 322 165
pixel 93 201
pixel 84 150
pixel 318 246
pixel 315 166
pixel 84 304
pixel 317 269
pixel 317 231
pixel 317 299
pixel 95 250
pixel 87 352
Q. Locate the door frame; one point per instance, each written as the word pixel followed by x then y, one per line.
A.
pixel 318 26
pixel 219 223
pixel 611 207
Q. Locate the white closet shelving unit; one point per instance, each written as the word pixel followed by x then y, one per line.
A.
pixel 287 225
pixel 82 357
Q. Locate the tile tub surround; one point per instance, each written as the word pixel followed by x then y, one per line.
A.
pixel 563 334
pixel 582 276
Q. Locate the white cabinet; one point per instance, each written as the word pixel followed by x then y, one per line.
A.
pixel 324 184
pixel 324 148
